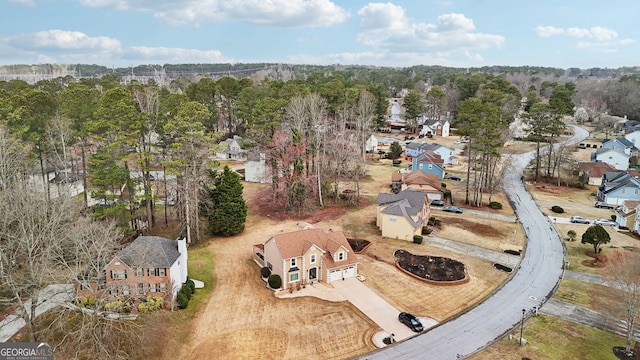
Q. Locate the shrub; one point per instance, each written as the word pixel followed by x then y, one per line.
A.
pixel 186 290
pixel 191 285
pixel 557 209
pixel 443 185
pixel 265 272
pixel 495 205
pixel 275 281
pixel 182 300
pixel 417 239
pixel 426 230
pixel 432 220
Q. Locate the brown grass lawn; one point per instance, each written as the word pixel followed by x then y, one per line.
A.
pixel 244 320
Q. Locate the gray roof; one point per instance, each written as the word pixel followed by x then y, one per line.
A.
pixel 406 203
pixel 150 252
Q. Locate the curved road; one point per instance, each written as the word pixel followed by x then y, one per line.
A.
pixel 534 282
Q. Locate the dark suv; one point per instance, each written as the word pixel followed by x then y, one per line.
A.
pixel 411 321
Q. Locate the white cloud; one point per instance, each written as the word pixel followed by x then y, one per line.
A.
pixel 164 55
pixel 600 38
pixel 62 40
pixel 284 13
pixel 386 29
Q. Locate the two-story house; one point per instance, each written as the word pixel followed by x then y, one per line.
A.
pixel 150 265
pixel 612 156
pixel 626 214
pixel 230 149
pixel 420 181
pixel 308 256
pixel 592 172
pixel 430 163
pixel 402 215
pixel 435 128
pixel 617 187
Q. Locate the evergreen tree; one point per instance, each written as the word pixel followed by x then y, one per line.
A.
pixel 224 207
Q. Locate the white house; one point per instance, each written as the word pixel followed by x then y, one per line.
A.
pixel 634 138
pixel 372 144
pixel 435 128
pixel 614 157
pixel 257 170
pixel 231 150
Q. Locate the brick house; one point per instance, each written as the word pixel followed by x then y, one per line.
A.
pixel 150 265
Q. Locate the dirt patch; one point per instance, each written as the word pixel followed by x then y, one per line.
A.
pixel 475 227
pixel 434 268
pixel 358 246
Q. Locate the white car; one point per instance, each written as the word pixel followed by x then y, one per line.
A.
pixel 580 220
pixel 605 222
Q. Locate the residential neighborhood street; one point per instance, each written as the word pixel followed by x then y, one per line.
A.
pixel 539 273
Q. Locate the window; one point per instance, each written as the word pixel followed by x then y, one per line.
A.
pixel 153 287
pixel 294 277
pixel 140 289
pixel 293 262
pixel 163 287
pixel 430 166
pixel 420 166
pixel 270 266
pixel 392 218
pixel 624 190
pixel 313 259
pixel 156 272
pixel 118 274
pixel 139 272
pixel 340 256
pixel 125 290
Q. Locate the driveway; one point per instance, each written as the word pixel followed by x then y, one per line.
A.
pixel 377 309
pixel 538 274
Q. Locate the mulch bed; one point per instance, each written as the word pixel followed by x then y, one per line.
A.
pixel 359 246
pixel 434 268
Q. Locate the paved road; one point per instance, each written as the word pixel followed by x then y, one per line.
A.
pixel 535 281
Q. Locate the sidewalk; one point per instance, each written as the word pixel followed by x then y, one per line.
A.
pixel 50 297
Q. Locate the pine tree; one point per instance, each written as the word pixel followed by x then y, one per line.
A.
pixel 224 207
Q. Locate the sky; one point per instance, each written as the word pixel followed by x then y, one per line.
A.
pixel 400 33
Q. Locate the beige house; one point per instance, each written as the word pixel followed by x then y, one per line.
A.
pixel 402 215
pixel 308 256
pixel 626 214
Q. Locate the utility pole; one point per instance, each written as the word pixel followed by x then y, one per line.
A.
pixel 522 326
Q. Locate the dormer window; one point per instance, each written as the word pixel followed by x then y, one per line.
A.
pixel 312 258
pixel 293 262
pixel 340 256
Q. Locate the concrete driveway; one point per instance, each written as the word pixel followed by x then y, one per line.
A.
pixel 377 309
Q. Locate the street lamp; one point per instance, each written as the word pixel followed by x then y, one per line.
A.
pixel 522 326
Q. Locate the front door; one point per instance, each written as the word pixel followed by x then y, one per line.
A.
pixel 313 274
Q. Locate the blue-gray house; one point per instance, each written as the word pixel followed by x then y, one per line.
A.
pixel 428 162
pixel 617 187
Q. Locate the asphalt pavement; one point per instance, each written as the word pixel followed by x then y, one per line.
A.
pixel 537 277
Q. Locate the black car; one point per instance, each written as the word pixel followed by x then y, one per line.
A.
pixel 455 178
pixel 437 203
pixel 411 321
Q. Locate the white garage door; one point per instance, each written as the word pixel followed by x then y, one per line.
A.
pixel 335 275
pixel 350 272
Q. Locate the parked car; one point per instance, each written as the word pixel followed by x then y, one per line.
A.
pixel 579 220
pixel 411 321
pixel 605 222
pixel 437 203
pixel 604 205
pixel 454 178
pixel 453 209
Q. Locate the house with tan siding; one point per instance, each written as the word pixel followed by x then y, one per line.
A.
pixel 307 256
pixel 402 215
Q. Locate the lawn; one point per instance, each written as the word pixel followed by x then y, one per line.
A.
pixel 552 338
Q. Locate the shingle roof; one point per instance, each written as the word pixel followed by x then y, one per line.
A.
pixel 296 243
pixel 595 169
pixel 150 252
pixel 407 203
